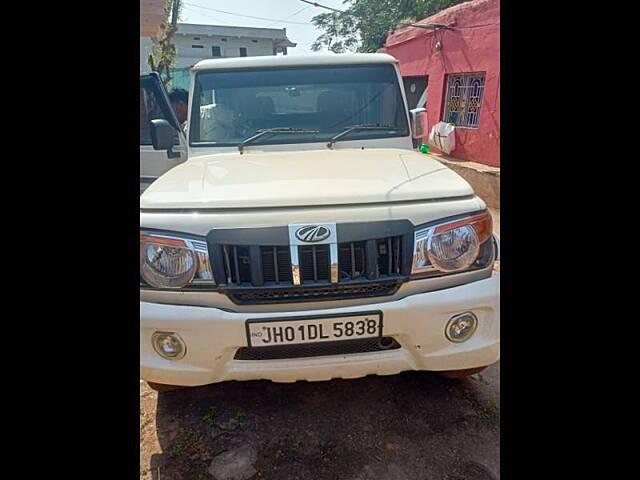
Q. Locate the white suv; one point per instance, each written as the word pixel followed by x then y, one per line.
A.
pixel 304 239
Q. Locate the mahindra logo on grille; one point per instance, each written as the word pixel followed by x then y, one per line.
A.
pixel 312 233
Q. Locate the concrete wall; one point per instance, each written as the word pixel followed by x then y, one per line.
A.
pixel 474 46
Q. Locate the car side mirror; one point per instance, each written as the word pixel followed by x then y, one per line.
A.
pixel 162 134
pixel 418 122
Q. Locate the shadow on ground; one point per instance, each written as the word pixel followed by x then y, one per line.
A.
pixel 415 425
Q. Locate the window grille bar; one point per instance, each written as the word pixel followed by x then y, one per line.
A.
pixel 464 99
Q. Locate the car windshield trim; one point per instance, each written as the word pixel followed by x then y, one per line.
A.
pixel 294 140
pixel 230 105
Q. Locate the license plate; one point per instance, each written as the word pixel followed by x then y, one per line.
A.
pixel 263 332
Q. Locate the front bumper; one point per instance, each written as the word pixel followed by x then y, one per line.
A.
pixel 417 322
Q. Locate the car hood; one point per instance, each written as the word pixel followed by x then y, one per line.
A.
pixel 303 178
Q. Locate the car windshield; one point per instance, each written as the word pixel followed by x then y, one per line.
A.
pixel 231 105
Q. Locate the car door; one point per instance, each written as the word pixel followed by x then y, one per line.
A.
pixel 154 103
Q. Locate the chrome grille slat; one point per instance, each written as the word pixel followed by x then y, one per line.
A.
pixel 353 261
pixel 235 264
pixel 227 264
pixel 315 263
pixel 275 263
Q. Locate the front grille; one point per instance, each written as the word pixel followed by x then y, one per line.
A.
pixel 318 349
pixel 249 296
pixel 254 266
pixel 315 262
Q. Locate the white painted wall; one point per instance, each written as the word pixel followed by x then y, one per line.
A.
pixel 258 42
pixel 229 47
pixel 145 50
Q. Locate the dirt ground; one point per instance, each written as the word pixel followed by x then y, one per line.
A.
pixel 415 425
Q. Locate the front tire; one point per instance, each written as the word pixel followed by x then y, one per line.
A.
pixel 456 374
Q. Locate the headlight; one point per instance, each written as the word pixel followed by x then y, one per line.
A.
pixel 170 261
pixel 453 246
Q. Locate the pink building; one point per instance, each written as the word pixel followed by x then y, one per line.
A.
pixel 459 64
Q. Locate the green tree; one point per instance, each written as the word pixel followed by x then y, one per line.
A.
pixel 163 54
pixel 364 24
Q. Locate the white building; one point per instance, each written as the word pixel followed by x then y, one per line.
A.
pixel 197 42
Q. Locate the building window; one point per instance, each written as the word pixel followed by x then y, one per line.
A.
pixel 464 99
pixel 243 51
pixel 197 46
pixel 215 52
pixel 223 39
pixel 196 38
pixel 254 41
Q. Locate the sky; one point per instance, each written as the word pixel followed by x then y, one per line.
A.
pixel 293 15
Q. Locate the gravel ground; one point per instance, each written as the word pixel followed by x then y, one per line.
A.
pixel 415 425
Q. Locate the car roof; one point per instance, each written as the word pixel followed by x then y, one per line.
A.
pixel 294 60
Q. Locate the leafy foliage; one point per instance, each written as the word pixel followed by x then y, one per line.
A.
pixel 365 24
pixel 210 415
pixel 340 32
pixel 163 54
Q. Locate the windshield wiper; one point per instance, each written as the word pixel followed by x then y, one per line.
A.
pixel 365 126
pixel 260 133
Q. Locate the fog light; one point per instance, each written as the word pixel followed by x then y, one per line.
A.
pixel 169 345
pixel 461 327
